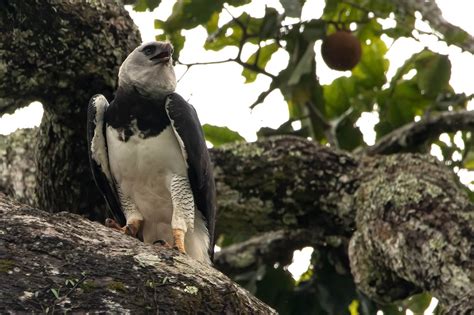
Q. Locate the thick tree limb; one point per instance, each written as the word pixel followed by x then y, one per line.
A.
pixel 432 14
pixel 289 183
pixel 74 50
pixel 414 224
pixel 409 208
pixel 415 230
pixel 17 167
pixel 268 248
pixel 71 53
pixel 417 133
pixel 394 202
pixel 64 262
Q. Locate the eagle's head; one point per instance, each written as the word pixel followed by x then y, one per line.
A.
pixel 149 69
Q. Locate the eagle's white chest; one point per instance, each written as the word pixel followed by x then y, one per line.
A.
pixel 143 169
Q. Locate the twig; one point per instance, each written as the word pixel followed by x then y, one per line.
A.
pixel 74 287
pixel 417 133
pixel 329 128
pixel 206 62
pixel 240 62
pixel 262 96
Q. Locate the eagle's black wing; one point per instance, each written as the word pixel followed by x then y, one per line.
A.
pixel 98 156
pixel 188 129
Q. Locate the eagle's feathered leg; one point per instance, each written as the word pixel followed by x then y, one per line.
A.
pixel 183 210
pixel 131 228
pixel 134 217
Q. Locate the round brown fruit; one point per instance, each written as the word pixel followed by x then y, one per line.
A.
pixel 341 50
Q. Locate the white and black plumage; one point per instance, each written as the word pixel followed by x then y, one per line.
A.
pixel 149 157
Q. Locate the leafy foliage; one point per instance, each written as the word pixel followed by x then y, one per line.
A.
pixel 220 135
pixel 327 113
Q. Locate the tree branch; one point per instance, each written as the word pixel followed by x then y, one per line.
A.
pixel 252 67
pixel 432 13
pixel 9 105
pixel 417 133
pixel 17 165
pixel 408 208
pixel 415 231
pixel 43 256
pixel 73 52
pixel 268 248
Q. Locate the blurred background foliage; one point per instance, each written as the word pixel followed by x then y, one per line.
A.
pixel 327 113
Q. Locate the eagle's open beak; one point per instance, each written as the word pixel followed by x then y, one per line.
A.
pixel 162 57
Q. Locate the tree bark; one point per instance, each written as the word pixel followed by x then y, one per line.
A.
pixel 17 165
pixel 66 263
pixel 414 230
pixel 71 53
pixel 431 13
pixel 411 136
pixel 411 223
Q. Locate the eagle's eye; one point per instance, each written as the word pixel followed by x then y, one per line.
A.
pixel 149 50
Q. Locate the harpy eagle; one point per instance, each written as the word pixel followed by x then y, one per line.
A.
pixel 149 157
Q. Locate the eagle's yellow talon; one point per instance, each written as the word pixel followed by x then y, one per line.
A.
pixel 178 236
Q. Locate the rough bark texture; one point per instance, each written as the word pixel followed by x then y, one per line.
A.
pixel 71 53
pixel 415 230
pixel 289 182
pixel 413 223
pixel 17 165
pixel 268 248
pixel 66 263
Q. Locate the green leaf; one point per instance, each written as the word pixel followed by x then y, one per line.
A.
pixel 433 75
pixel 263 54
pixel 292 7
pixel 55 293
pixel 220 135
pixel 270 25
pixel 334 8
pixel 258 29
pixel 303 66
pixel 456 36
pixel 404 27
pixel 189 14
pixel 338 95
pixel 175 38
pixel 140 6
pixel 237 3
pixel 371 69
pixel 369 31
pixel 348 136
pixel 143 5
pixel 419 303
pixel 212 24
pixel 469 161
pixel 229 34
pixel 314 30
pixel 393 310
pixel 152 4
pixel 399 106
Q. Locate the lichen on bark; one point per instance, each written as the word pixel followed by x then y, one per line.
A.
pixel 414 221
pixel 66 263
pixel 411 224
pixel 17 167
pixel 71 53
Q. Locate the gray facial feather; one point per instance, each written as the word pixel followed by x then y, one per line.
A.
pixel 142 71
